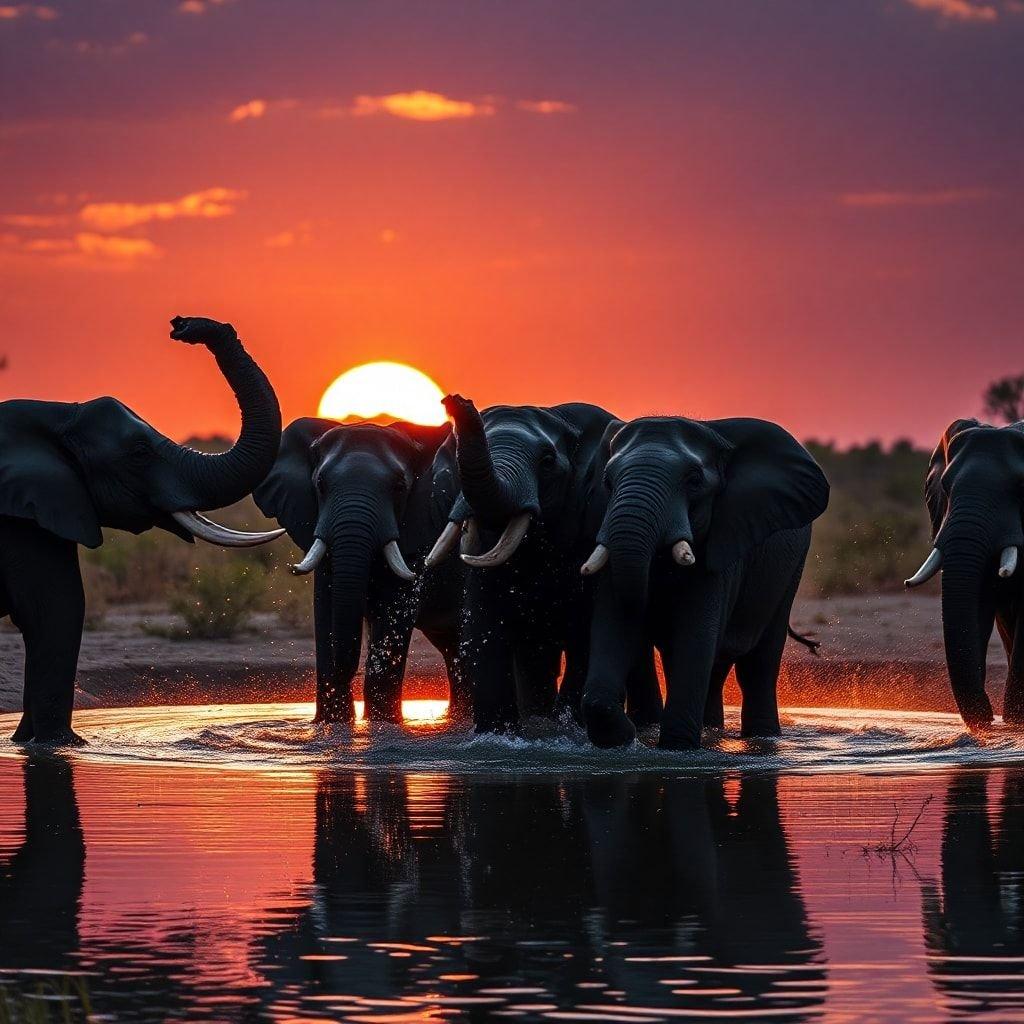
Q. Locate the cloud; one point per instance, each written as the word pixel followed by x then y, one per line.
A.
pixel 958 10
pixel 935 197
pixel 199 6
pixel 547 106
pixel 420 106
pixel 209 203
pixel 36 12
pixel 83 249
pixel 245 111
pixel 91 47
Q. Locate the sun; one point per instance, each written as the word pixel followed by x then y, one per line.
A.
pixel 384 390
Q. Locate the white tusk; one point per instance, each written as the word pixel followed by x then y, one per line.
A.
pixel 931 566
pixel 443 545
pixel 470 543
pixel 1007 563
pixel 683 553
pixel 596 562
pixel 396 563
pixel 314 556
pixel 506 546
pixel 205 529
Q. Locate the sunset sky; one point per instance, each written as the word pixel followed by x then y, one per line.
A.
pixel 808 211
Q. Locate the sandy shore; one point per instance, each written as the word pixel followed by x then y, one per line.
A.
pixel 877 651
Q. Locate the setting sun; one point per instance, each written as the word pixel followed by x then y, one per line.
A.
pixel 384 390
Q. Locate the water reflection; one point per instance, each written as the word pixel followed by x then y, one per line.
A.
pixel 974 923
pixel 208 895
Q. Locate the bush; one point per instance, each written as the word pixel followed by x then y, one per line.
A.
pixel 218 600
pixel 99 586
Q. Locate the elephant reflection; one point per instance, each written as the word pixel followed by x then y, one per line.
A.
pixel 974 922
pixel 563 885
pixel 41 884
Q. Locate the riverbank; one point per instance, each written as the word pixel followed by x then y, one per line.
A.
pixel 882 650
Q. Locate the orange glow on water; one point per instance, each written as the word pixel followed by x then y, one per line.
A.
pixel 419 710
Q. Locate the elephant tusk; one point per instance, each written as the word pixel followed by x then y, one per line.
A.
pixel 396 563
pixel 596 562
pixel 443 545
pixel 313 557
pixel 1007 563
pixel 683 554
pixel 506 546
pixel 931 566
pixel 470 543
pixel 205 529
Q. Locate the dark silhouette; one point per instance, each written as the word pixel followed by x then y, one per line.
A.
pixel 527 477
pixel 1004 399
pixel 67 470
pixel 41 884
pixel 974 921
pixel 364 501
pixel 704 528
pixel 974 502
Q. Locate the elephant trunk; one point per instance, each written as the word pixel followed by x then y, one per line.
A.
pixel 496 482
pixel 968 561
pixel 222 479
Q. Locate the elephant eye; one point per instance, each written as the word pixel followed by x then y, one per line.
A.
pixel 694 480
pixel 548 460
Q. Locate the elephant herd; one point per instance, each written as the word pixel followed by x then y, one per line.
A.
pixel 585 545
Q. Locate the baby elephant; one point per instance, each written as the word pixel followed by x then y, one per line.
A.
pixel 702 542
pixel 363 501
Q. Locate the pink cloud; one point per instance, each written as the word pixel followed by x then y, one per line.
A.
pixel 934 197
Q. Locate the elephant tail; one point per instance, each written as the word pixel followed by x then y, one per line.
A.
pixel 808 641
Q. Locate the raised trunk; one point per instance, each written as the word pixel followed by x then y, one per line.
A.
pixel 219 480
pixel 492 476
pixel 967 624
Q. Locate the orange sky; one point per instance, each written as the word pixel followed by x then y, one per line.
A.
pixel 809 212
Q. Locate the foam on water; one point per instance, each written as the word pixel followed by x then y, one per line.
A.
pixel 276 736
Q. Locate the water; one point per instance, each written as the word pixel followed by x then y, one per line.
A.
pixel 238 864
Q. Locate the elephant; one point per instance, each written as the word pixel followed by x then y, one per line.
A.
pixel 704 529
pixel 973 495
pixel 360 499
pixel 69 469
pixel 973 915
pixel 526 474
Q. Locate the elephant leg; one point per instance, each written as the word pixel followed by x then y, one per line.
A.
pixel 643 692
pixel 574 678
pixel 757 672
pixel 1013 701
pixel 322 633
pixel 460 694
pixel 487 656
pixel 49 610
pixel 714 706
pixel 389 636
pixel 537 667
pixel 689 657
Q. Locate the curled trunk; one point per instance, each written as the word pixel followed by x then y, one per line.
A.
pixel 219 480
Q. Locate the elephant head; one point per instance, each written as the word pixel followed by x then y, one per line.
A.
pixel 353 497
pixel 75 468
pixel 707 491
pixel 975 496
pixel 517 465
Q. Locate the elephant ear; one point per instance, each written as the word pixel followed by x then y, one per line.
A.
pixel 287 492
pixel 934 495
pixel 772 483
pixel 428 440
pixel 39 478
pixel 595 494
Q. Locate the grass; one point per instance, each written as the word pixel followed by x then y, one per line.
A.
pixel 59 999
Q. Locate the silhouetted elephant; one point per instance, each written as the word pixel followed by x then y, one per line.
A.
pixel 68 469
pixel 974 925
pixel 705 532
pixel 526 475
pixel 975 503
pixel 41 884
pixel 362 501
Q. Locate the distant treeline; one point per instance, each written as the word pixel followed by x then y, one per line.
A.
pixel 875 532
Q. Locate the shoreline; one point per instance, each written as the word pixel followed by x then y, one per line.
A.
pixel 881 650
